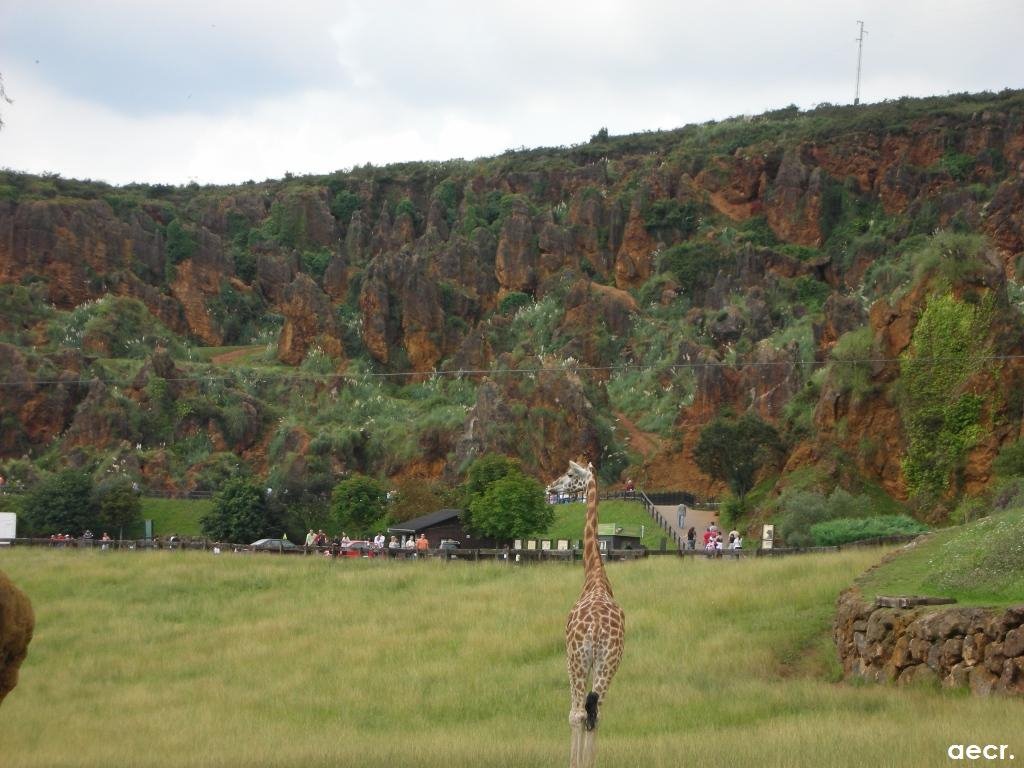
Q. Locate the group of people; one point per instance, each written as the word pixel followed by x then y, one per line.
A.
pixel 63 539
pixel 714 541
pixel 332 547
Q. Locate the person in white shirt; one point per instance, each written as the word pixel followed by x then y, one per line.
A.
pixel 737 545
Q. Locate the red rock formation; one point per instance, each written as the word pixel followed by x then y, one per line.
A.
pixel 308 321
pixel 516 259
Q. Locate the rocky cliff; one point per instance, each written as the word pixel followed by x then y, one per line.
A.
pixel 730 264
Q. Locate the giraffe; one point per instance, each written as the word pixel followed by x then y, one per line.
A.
pixel 593 634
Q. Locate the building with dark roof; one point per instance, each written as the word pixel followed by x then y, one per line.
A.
pixel 443 524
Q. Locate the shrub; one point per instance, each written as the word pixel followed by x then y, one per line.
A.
pixel 239 513
pixel 119 505
pixel 314 263
pixel 511 507
pixel 942 421
pixel 957 165
pixel 447 194
pixel 802 510
pixel 245 263
pixel 844 530
pixel 693 264
pixel 406 207
pixel 180 242
pixel 238 313
pixel 1010 461
pixel 512 301
pixel 667 214
pixel 113 326
pixel 734 450
pixel 358 504
pixel 851 369
pixel 61 503
pixel 344 204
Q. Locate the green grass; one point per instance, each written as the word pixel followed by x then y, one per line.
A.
pixel 180 516
pixel 981 563
pixel 569 520
pixel 186 659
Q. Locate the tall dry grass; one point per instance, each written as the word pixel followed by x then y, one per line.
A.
pixel 185 659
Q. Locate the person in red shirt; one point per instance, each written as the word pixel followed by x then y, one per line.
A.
pixel 422 545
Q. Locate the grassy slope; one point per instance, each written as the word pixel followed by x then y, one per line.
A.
pixel 152 659
pixel 569 520
pixel 981 564
pixel 180 516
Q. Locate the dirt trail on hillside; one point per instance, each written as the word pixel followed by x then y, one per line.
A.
pixel 647 444
pixel 234 355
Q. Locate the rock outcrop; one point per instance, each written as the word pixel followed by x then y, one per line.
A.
pixel 308 320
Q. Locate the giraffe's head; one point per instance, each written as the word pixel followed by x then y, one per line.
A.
pixel 574 480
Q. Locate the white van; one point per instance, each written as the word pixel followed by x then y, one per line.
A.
pixel 8 527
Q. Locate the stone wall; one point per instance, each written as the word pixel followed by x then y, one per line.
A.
pixel 979 648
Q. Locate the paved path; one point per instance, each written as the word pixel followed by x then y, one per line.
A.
pixel 698 518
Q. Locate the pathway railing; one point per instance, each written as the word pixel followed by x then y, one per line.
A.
pixel 659 518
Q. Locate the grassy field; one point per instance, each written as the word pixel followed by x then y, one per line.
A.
pixel 979 564
pixel 180 516
pixel 187 659
pixel 569 520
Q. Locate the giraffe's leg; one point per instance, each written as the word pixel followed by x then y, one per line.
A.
pixel 576 660
pixel 606 662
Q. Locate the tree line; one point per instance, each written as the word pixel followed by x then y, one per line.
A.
pixel 497 500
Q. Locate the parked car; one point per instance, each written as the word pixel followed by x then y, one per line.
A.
pixel 274 545
pixel 449 548
pixel 359 549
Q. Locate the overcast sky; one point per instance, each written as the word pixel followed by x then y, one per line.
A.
pixel 228 90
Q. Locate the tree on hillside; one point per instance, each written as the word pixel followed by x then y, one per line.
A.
pixel 482 472
pixel 733 450
pixel 512 507
pixel 358 504
pixel 419 496
pixel 239 513
pixel 119 507
pixel 62 503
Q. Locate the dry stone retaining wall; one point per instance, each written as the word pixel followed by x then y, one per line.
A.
pixel 979 648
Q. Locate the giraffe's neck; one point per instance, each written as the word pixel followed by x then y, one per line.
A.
pixel 593 569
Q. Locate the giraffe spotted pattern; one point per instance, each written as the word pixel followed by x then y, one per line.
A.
pixel 594 635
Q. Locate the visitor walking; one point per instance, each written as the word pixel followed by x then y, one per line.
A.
pixel 691 538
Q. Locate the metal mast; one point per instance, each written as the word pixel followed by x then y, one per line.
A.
pixel 860 48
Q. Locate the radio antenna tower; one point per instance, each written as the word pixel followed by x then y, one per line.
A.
pixel 860 49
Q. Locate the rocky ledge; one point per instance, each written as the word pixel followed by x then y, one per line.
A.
pixel 979 648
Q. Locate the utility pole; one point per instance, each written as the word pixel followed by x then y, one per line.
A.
pixel 860 48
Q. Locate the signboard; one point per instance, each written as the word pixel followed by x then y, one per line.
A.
pixel 8 525
pixel 767 536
